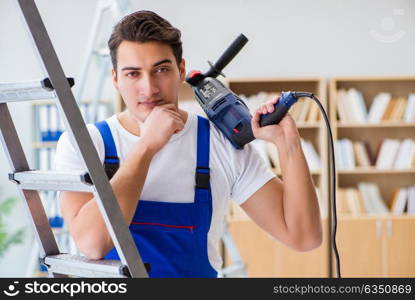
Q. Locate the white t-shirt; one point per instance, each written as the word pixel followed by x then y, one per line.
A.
pixel 234 174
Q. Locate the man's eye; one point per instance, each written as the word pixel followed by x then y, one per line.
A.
pixel 162 69
pixel 132 74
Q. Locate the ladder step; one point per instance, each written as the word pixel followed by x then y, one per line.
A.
pixel 53 181
pixel 28 90
pixel 80 266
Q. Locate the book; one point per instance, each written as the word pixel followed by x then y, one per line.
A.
pixel 411 200
pixel 378 107
pixel 349 154
pixel 372 198
pixel 409 115
pixel 102 111
pixel 43 115
pixel 398 110
pixel 302 117
pixel 341 111
pixel 399 201
pixel 352 202
pixel 377 199
pixel 44 159
pixel 359 200
pixel 357 105
pixel 313 159
pixel 367 201
pixel 313 115
pixel 405 155
pixel 391 106
pixel 387 154
pixel 340 163
pixel 295 110
pixel 362 157
pixel 341 202
pixel 84 112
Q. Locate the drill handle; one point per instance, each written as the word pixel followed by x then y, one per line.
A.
pixel 275 117
pixel 284 103
pixel 227 56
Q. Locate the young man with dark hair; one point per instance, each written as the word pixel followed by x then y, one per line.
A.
pixel 175 219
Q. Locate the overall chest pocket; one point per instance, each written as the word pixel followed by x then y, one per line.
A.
pixel 165 239
pixel 169 249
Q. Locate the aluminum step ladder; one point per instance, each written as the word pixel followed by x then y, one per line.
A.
pixel 96 48
pixel 95 180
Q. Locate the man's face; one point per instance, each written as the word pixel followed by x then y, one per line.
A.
pixel 147 76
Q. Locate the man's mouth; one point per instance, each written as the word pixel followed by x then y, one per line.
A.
pixel 150 103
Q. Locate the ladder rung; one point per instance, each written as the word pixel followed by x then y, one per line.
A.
pixel 28 90
pixel 81 266
pixel 53 180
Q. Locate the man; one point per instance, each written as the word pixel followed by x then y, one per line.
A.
pixel 177 221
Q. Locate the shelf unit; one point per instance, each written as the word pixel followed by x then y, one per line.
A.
pixel 49 198
pixel 375 245
pixel 265 256
pixel 369 246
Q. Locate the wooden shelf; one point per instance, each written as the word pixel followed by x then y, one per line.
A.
pixel 313 125
pixel 362 239
pixel 42 102
pixel 312 172
pixel 42 145
pixel 287 262
pixel 385 124
pixel 369 243
pixel 388 216
pixel 375 171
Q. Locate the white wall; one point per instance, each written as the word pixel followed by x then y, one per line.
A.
pixel 286 38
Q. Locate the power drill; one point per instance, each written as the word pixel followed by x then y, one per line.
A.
pixel 225 109
pixel 231 115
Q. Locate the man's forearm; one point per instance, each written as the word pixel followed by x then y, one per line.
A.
pixel 127 184
pixel 300 205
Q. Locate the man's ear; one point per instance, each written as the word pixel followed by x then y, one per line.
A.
pixel 182 70
pixel 114 78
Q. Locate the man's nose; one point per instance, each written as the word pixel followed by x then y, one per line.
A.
pixel 148 86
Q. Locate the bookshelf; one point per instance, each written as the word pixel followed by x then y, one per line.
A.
pixel 264 256
pixel 47 128
pixel 370 245
pixel 374 244
pixel 277 260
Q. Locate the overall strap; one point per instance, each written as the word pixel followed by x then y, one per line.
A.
pixel 111 161
pixel 202 163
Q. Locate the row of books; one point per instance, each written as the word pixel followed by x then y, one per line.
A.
pixel 51 124
pixel 392 154
pixel 45 158
pixel 270 154
pixel 304 111
pixel 403 200
pixel 351 107
pixel 367 199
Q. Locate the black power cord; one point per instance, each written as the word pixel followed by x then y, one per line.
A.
pixel 333 175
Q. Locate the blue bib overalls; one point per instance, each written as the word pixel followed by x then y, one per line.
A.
pixel 171 237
